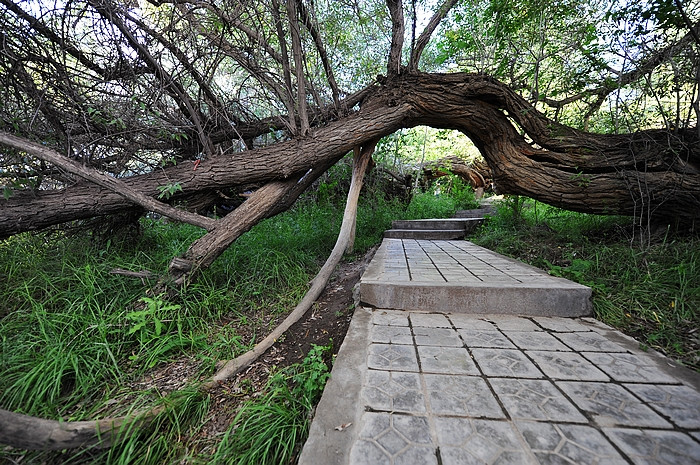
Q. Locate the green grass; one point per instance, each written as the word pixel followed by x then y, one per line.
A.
pixel 270 429
pixel 74 337
pixel 648 289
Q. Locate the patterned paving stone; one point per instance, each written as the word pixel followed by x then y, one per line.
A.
pixel 567 365
pixel 430 320
pixel 447 360
pixel 562 325
pixel 612 405
pixel 390 317
pixel 513 323
pixel 533 399
pixel 505 363
pixel 649 447
pixel 391 334
pixel 387 439
pixel 461 396
pixel 437 337
pixel 679 403
pixel 568 444
pixel 535 340
pixel 590 342
pixel 393 391
pixel 469 322
pixel 465 441
pixel 479 338
pixel 629 367
pixel 392 357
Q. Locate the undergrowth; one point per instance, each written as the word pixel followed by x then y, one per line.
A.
pixel 270 429
pixel 648 289
pixel 74 337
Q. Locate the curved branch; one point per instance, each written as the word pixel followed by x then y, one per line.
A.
pixel 234 366
pixel 481 107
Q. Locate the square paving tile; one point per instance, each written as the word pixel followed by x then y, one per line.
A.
pixel 479 338
pixel 391 334
pixel 589 342
pixel 470 322
pixel 393 391
pixel 447 360
pixel 567 365
pixel 387 439
pixel 461 396
pixel 392 357
pixel 535 340
pixel 390 317
pixel 534 399
pixel 655 447
pixel 431 320
pixel 468 441
pixel 612 405
pixel 513 323
pixel 437 337
pixel 629 367
pixel 680 403
pixel 505 363
pixel 554 443
pixel 565 325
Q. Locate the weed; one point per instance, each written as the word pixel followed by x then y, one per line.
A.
pixel 270 429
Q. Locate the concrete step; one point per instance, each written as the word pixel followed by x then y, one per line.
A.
pixel 461 277
pixel 485 210
pixel 425 234
pixel 447 223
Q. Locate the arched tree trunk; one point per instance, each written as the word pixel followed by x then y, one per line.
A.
pixel 650 172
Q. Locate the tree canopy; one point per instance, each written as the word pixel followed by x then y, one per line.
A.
pixel 186 102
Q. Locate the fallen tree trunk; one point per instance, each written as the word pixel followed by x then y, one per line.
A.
pixel 32 433
pixel 478 177
pixel 345 235
pixel 651 172
pixel 27 432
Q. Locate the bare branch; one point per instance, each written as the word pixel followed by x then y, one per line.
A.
pixel 397 32
pixel 298 53
pixel 321 49
pixel 427 32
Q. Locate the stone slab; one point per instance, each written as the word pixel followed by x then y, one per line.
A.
pixel 460 277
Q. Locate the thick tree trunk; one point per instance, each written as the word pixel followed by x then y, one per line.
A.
pixel 649 172
pixel 362 158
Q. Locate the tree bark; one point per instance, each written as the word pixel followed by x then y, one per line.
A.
pixel 32 433
pixel 651 172
pixel 234 366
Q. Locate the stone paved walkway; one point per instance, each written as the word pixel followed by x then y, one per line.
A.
pixel 461 277
pixel 420 387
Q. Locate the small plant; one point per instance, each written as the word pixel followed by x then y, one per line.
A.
pixel 152 314
pixel 169 190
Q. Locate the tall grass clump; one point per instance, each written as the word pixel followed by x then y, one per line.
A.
pixel 650 291
pixel 271 429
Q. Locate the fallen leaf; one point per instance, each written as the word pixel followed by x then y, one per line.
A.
pixel 342 427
